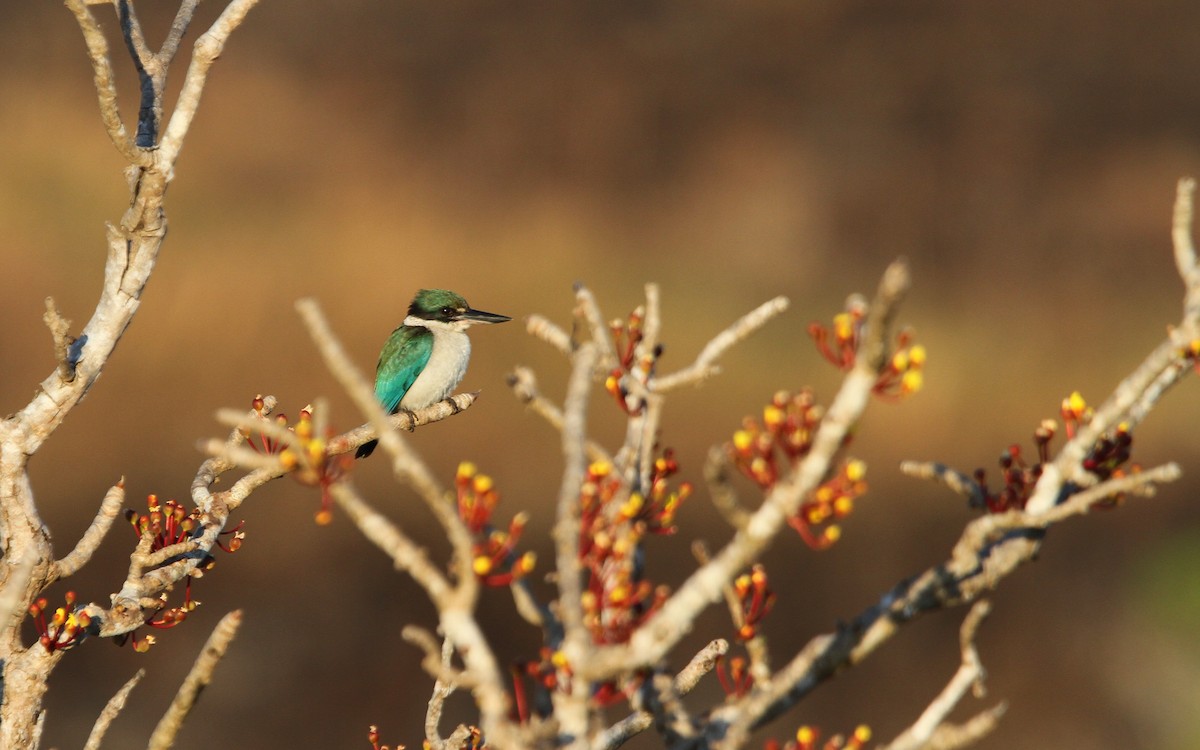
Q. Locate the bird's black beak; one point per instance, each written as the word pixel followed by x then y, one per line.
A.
pixel 479 316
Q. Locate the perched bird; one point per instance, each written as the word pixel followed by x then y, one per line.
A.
pixel 427 355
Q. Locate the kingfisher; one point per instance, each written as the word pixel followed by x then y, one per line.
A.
pixel 425 358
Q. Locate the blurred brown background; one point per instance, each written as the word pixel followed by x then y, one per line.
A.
pixel 1022 155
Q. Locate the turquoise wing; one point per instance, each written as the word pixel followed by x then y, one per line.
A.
pixel 403 357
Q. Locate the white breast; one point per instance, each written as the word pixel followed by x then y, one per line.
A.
pixel 447 365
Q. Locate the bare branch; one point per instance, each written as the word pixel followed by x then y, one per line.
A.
pixel 111 710
pixel 701 664
pixel 1181 233
pixel 197 679
pixel 587 309
pixel 955 480
pixel 705 364
pixel 106 88
pixel 969 675
pixel 60 329
pixel 404 552
pixel 541 328
pixel 525 388
pixel 207 49
pixel 90 541
pixel 571 710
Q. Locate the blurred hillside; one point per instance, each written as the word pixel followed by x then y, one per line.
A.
pixel 1022 155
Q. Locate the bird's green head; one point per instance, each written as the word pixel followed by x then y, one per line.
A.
pixel 444 306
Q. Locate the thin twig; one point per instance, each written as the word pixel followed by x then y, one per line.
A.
pixel 106 89
pixel 197 679
pixel 541 328
pixel 705 364
pixel 688 678
pixel 970 675
pixel 207 49
pixel 955 480
pixel 405 554
pixel 111 710
pixel 524 386
pixel 110 507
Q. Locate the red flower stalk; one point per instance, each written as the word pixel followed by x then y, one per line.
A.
pixel 494 557
pixel 756 599
pixel 65 629
pixel 839 343
pixel 735 679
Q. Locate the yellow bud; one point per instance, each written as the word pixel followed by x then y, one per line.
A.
pixel 315 450
pixel 559 660
pixel 742 440
pixel 481 565
pixel 483 483
pixel 900 361
pixel 466 470
pixel 527 562
pixel 633 505
pixel 324 517
pixel 856 470
pixel 843 505
pixel 916 354
pixel 832 534
pixel 911 381
pixel 1075 403
pixel 287 459
pixel 843 327
pixel 806 735
pixel 600 468
pixel 304 429
pixel 862 733
pixel 772 416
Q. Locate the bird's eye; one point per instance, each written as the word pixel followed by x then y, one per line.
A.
pixel 448 311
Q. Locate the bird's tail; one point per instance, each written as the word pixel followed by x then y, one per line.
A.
pixel 366 449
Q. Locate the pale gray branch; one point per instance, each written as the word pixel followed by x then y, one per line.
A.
pixel 705 364
pixel 111 710
pixel 110 508
pixel 197 679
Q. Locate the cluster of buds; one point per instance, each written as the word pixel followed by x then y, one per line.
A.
pixel 901 376
pixel 788 425
pixel 263 441
pixel 493 556
pixel 808 737
pixel 310 462
pixel 612 528
pixel 755 598
pixel 627 336
pixel 64 629
pixel 655 511
pixel 816 519
pixel 1106 459
pixel 764 451
pixel 167 524
pixel 736 679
